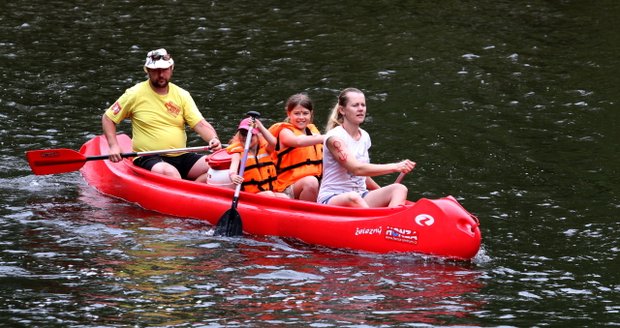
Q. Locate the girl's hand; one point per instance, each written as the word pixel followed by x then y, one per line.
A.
pixel 259 125
pixel 235 178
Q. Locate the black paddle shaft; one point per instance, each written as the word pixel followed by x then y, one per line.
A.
pixel 230 223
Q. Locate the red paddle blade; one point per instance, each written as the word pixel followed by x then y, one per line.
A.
pixel 51 161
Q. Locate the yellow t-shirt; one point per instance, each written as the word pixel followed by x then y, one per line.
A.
pixel 157 121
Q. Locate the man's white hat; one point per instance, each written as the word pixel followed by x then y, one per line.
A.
pixel 158 59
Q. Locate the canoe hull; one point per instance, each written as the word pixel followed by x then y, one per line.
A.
pixel 439 227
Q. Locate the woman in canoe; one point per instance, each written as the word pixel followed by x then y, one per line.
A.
pixel 299 150
pixel 347 169
pixel 260 171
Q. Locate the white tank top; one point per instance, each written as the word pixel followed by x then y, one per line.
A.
pixel 336 179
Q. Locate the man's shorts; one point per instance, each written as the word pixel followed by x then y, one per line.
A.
pixel 183 163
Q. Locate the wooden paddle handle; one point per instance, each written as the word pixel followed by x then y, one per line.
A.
pixel 401 176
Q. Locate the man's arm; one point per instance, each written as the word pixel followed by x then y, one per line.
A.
pixel 109 130
pixel 208 134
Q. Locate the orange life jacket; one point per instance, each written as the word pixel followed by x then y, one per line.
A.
pixel 294 163
pixel 260 171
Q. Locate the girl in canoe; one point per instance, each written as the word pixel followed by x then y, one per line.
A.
pixel 347 169
pixel 299 150
pixel 260 171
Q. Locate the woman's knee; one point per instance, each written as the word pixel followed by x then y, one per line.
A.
pixel 401 188
pixel 399 191
pixel 399 196
pixel 352 199
pixel 355 198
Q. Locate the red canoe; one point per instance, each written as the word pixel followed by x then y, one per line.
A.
pixel 438 227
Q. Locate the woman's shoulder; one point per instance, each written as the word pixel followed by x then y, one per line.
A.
pixel 336 130
pixel 364 134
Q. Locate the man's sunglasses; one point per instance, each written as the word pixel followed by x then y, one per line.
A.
pixel 157 57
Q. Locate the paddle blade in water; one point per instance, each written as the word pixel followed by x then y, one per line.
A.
pixel 229 224
pixel 51 161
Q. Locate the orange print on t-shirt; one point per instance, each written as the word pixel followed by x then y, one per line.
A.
pixel 173 109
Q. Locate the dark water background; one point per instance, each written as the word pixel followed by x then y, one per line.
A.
pixel 510 106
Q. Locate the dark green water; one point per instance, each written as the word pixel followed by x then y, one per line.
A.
pixel 510 106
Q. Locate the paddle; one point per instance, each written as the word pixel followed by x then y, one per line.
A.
pixel 62 160
pixel 401 176
pixel 230 223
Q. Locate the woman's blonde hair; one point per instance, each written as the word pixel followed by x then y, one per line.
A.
pixel 335 118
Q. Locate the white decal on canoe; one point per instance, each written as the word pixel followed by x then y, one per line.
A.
pixel 368 231
pixel 424 220
pixel 401 234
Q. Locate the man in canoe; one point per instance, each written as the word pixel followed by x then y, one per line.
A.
pixel 159 110
pixel 347 169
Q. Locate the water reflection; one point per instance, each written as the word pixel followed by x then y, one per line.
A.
pixel 162 270
pixel 112 263
pixel 163 281
pixel 364 290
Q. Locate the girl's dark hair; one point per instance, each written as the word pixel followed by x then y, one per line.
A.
pixel 301 99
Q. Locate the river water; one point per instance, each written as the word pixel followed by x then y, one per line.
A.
pixel 510 106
